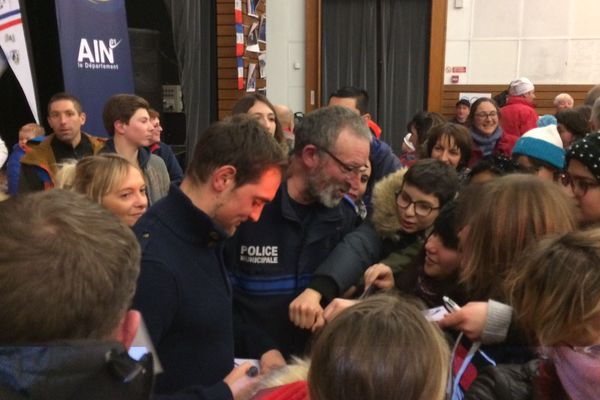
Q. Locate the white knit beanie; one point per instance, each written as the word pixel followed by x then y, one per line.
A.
pixel 520 86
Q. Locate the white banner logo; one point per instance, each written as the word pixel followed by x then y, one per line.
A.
pixel 98 55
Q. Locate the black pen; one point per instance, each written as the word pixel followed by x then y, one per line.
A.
pixel 250 372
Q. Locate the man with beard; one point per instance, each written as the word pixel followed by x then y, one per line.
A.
pixel 272 261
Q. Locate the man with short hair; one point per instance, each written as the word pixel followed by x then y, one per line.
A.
pixel 127 122
pixel 65 292
pixel 519 115
pixel 163 150
pixel 184 293
pixel 272 262
pixel 67 141
pixel 463 107
pixel 383 160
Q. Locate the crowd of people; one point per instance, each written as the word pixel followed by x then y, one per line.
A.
pixel 302 258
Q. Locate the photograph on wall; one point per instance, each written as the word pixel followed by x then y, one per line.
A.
pixel 472 96
pixel 252 41
pixel 251 82
pixel 262 64
pixel 251 7
pixel 262 30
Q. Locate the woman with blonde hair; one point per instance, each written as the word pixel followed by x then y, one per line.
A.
pixel 382 348
pixel 511 213
pixel 110 180
pixel 556 297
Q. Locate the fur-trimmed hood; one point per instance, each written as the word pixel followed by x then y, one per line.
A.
pixel 296 371
pixel 385 213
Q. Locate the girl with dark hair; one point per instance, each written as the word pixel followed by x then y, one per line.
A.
pixel 451 144
pixel 260 108
pixel 435 272
pixel 572 125
pixel 418 132
pixel 583 177
pixel 406 207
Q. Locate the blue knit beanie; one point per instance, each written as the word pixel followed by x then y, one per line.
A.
pixel 545 120
pixel 544 144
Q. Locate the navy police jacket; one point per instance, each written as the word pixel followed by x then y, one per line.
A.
pixel 184 296
pixel 271 262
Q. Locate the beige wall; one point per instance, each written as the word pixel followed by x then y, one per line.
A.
pixel 549 41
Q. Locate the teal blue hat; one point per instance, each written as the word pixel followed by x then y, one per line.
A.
pixel 544 144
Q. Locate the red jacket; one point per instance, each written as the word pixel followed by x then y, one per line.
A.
pixel 518 116
pixel 374 128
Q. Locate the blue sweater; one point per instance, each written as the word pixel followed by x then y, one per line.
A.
pixel 185 297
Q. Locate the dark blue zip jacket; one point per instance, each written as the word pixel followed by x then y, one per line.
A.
pixel 184 296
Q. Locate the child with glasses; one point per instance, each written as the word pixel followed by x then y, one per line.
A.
pixel 583 177
pixel 556 296
pixel 435 272
pixel 405 206
pixel 356 195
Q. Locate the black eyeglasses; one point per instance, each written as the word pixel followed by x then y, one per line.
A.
pixel 579 186
pixel 346 169
pixel 422 208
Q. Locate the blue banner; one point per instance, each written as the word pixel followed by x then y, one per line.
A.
pixel 95 53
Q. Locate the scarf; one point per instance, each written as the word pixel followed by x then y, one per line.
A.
pixel 579 373
pixel 432 290
pixel 486 143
